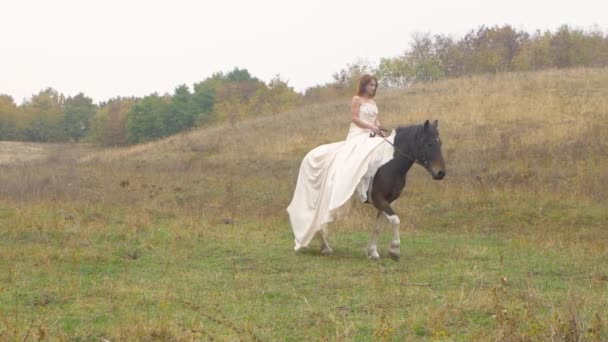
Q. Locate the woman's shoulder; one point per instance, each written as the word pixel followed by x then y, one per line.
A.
pixel 360 100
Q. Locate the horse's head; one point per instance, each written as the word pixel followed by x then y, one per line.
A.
pixel 429 150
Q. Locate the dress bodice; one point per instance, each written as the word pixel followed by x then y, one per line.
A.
pixel 368 112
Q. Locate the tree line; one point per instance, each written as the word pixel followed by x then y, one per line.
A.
pixel 51 117
pixel 483 50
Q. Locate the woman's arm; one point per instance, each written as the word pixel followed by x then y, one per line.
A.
pixel 354 109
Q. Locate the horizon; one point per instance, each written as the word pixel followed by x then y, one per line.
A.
pixel 111 49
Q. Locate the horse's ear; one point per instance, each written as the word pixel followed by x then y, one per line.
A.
pixel 426 125
pixel 435 124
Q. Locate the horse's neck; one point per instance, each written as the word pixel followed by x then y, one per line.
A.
pixel 402 164
pixel 404 157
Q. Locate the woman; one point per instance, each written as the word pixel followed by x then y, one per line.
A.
pixel 330 174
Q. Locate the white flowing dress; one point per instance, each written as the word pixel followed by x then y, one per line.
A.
pixel 330 174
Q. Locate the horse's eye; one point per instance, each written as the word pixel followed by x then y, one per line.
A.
pixel 429 145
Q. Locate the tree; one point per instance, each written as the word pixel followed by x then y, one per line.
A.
pixel 78 111
pixel 277 97
pixel 449 55
pixel 509 43
pixel 347 79
pixel 182 112
pixel 595 48
pixel 422 60
pixel 239 75
pixel 281 96
pixel 535 52
pixel 321 93
pixel 203 98
pixel 234 98
pixel 146 119
pixel 109 124
pixel 395 72
pixel 8 118
pixel 44 117
pixel 233 94
pixel 562 47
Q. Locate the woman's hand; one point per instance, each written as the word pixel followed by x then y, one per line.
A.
pixel 377 130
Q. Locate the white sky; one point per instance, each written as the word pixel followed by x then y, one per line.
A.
pixel 108 48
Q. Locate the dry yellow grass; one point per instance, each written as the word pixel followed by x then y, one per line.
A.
pixel 18 152
pixel 531 131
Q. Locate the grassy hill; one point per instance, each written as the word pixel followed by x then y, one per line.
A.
pixel 187 237
pixel 12 153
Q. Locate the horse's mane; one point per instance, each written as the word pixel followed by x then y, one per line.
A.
pixel 406 132
pixel 405 128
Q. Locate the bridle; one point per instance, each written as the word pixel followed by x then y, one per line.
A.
pixel 424 162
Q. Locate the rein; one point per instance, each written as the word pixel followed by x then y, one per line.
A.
pixel 421 163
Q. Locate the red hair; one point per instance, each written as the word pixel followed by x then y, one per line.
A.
pixel 364 81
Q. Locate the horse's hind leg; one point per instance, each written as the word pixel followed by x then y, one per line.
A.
pixel 325 249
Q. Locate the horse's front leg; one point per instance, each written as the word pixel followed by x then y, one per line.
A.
pixel 395 247
pixel 372 248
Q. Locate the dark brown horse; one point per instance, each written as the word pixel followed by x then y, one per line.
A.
pixel 418 144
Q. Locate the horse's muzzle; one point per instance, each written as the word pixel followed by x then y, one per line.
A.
pixel 439 175
pixel 437 170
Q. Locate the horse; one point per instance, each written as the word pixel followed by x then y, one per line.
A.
pixel 416 144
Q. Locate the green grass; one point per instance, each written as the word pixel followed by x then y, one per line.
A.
pixel 181 279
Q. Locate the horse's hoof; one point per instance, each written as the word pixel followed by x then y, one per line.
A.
pixel 297 246
pixel 373 256
pixel 326 250
pixel 395 256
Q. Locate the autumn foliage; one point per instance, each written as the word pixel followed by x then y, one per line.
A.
pixel 51 117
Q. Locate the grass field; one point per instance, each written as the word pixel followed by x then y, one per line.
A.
pixel 188 239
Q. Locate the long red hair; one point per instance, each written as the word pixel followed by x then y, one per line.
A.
pixel 364 81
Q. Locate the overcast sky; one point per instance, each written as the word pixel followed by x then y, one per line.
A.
pixel 108 48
